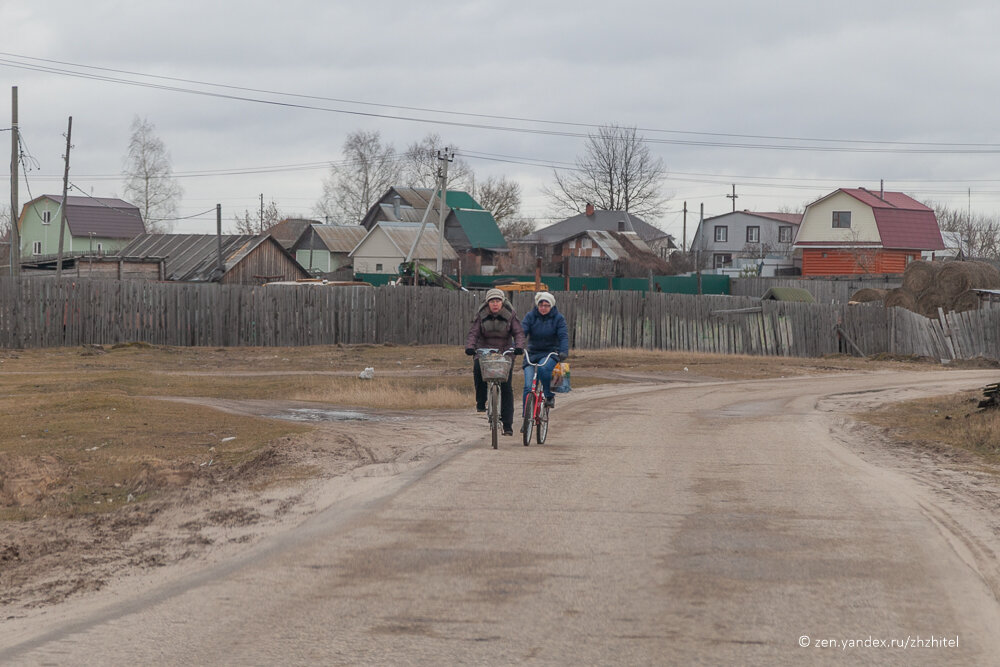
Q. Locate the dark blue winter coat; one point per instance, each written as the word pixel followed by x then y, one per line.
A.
pixel 546 333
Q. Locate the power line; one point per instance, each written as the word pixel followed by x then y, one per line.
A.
pixel 822 144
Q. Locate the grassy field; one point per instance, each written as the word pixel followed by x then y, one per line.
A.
pixel 82 429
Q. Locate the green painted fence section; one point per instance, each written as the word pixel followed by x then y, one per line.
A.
pixel 710 284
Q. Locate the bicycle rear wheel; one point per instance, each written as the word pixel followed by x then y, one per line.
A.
pixel 543 423
pixel 529 411
pixel 493 410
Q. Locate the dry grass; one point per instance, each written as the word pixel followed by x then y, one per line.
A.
pixel 420 393
pixel 951 421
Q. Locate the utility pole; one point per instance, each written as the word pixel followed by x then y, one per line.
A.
pixel 733 196
pixel 14 255
pixel 218 241
pixel 444 159
pixel 62 215
pixel 684 237
pixel 261 213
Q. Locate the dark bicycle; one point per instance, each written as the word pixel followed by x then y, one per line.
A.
pixel 495 368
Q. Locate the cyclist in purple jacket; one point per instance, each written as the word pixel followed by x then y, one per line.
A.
pixel 495 326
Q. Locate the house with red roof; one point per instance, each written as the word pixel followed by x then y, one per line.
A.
pixel 858 231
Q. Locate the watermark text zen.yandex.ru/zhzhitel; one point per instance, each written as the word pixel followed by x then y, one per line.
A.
pixel 908 642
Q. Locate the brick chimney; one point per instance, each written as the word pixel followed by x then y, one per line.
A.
pixel 590 210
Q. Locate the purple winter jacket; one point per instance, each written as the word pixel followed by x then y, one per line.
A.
pixel 500 331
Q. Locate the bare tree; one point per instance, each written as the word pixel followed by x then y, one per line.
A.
pixel 515 227
pixel 500 196
pixel 617 172
pixel 5 222
pixel 370 167
pixel 250 222
pixel 978 233
pixel 420 165
pixel 149 181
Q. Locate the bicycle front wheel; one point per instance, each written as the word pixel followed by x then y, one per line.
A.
pixel 543 423
pixel 529 411
pixel 493 411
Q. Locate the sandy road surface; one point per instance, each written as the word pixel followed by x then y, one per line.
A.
pixel 696 523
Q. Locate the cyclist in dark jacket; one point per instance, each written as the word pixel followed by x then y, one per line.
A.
pixel 546 330
pixel 495 326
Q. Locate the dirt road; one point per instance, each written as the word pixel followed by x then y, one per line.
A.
pixel 678 523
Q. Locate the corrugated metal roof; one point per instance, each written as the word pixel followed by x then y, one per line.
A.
pixel 340 238
pixel 402 235
pixel 103 217
pixel 289 231
pixel 481 229
pixel 193 257
pixel 601 220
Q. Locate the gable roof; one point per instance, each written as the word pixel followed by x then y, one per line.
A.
pixel 194 257
pixel 903 223
pixel 600 220
pixel 624 246
pixel 289 231
pixel 104 217
pixel 340 238
pixel 402 235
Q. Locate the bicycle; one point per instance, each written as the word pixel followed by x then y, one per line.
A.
pixel 536 409
pixel 495 368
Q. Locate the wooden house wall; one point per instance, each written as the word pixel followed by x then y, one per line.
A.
pixel 267 262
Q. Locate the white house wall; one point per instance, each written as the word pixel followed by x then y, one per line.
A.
pixel 817 223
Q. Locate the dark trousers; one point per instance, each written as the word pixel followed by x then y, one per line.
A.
pixel 506 394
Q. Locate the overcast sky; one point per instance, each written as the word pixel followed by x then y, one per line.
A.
pixel 786 100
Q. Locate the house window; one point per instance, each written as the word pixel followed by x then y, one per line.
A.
pixel 721 234
pixel 784 234
pixel 753 234
pixel 36 248
pixel 46 217
pixel 720 260
pixel 378 268
pixel 841 219
pixel 100 248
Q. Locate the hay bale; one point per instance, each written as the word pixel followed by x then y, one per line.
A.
pixel 919 275
pixel 931 299
pixel 957 277
pixel 967 300
pixel 901 298
pixel 867 294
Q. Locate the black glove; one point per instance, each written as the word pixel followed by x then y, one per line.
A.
pixel 518 351
pixel 471 351
pixel 563 356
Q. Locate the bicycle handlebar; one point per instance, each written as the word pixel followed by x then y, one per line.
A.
pixel 489 350
pixel 530 362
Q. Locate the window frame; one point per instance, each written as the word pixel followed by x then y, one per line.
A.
pixel 46 217
pixel 754 228
pixel 838 218
pixel 722 259
pixel 721 234
pixel 784 230
pixel 36 248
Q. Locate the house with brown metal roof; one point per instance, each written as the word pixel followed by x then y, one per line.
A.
pixel 326 249
pixel 94 226
pixel 860 231
pixel 230 259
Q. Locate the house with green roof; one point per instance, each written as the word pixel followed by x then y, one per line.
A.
pixel 468 227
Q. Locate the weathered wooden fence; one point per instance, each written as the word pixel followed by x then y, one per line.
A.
pixel 47 313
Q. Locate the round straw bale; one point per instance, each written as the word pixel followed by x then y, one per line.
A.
pixel 866 294
pixel 967 300
pixel 989 276
pixel 931 299
pixel 901 298
pixel 956 277
pixel 919 275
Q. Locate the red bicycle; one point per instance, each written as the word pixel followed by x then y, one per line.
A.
pixel 536 410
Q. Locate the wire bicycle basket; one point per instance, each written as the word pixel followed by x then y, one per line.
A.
pixel 494 366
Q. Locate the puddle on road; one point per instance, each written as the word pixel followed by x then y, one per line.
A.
pixel 317 415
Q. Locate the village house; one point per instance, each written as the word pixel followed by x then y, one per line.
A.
pixel 733 241
pixel 387 245
pixel 857 231
pixel 324 250
pixel 230 259
pixel 94 226
pixel 470 230
pixel 549 243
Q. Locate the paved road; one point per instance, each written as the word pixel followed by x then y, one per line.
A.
pixel 680 524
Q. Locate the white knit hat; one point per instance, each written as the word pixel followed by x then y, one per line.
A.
pixel 545 296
